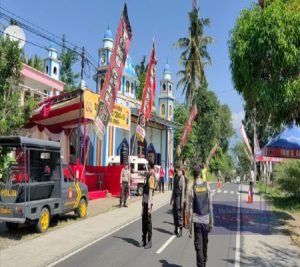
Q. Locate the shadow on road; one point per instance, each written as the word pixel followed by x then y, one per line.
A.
pixel 163 231
pixel 283 258
pixel 168 222
pixel 129 240
pixel 167 264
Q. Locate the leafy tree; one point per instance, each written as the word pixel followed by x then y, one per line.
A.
pixel 265 55
pixel 68 59
pixel 36 62
pixel 194 57
pixel 243 163
pixel 12 115
pixel 221 161
pixel 141 71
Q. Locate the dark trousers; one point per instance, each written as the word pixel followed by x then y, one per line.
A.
pixel 161 184
pixel 177 212
pixel 146 224
pixel 170 184
pixel 201 240
pixel 124 193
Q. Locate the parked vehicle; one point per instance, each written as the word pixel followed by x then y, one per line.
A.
pixel 138 168
pixel 35 185
pixel 227 178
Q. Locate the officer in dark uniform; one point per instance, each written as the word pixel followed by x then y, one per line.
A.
pixel 147 202
pixel 178 198
pixel 201 215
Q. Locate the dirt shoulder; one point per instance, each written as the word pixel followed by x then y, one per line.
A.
pixel 27 232
pixel 293 226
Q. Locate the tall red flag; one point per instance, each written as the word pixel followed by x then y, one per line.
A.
pixel 113 75
pixel 148 97
pixel 189 125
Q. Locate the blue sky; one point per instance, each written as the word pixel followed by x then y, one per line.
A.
pixel 84 23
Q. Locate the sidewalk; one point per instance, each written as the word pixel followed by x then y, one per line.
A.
pixel 52 246
pixel 264 242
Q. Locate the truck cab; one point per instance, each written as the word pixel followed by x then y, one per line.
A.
pixel 138 168
pixel 35 184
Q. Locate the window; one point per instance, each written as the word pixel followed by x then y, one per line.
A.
pixel 163 109
pixel 170 110
pixel 47 69
pixel 164 87
pixel 131 88
pixel 55 70
pixel 127 87
pixel 170 88
pixel 101 84
pixel 142 167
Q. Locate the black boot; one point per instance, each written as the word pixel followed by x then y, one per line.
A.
pixel 179 233
pixel 125 205
pixel 142 243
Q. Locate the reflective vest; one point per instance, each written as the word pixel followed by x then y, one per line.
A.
pixel 201 203
pixel 203 174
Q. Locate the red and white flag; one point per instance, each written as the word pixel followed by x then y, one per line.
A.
pixel 148 97
pixel 113 75
pixel 245 139
pixel 189 125
pixel 212 153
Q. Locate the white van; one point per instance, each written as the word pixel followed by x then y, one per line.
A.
pixel 138 168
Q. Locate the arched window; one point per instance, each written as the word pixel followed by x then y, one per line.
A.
pixel 170 110
pixel 127 87
pixel 170 88
pixel 55 70
pixel 131 88
pixel 164 87
pixel 101 84
pixel 47 69
pixel 163 109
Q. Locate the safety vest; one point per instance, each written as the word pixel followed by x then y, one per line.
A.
pixel 149 184
pixel 203 174
pixel 201 203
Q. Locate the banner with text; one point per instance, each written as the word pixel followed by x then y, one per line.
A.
pixel 113 75
pixel 120 117
pixel 189 125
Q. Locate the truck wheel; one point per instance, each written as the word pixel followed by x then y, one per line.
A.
pixel 11 226
pixel 82 208
pixel 140 190
pixel 43 222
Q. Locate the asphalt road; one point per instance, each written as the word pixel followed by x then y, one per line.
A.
pixel 121 248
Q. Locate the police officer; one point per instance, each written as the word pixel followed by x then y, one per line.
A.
pixel 125 182
pixel 147 203
pixel 178 198
pixel 201 215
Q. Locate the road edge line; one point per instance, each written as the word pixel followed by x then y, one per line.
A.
pixel 238 233
pixel 162 248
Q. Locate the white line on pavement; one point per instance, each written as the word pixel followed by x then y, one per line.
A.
pixel 219 191
pixel 225 192
pixel 231 192
pixel 161 249
pixel 238 233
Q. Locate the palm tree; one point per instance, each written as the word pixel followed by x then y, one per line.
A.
pixel 194 57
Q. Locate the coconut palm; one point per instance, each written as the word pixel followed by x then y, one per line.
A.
pixel 194 57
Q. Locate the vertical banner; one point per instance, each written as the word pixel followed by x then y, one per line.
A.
pixel 148 97
pixel 245 139
pixel 212 153
pixel 189 125
pixel 113 75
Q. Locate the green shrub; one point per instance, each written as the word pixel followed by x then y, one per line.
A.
pixel 288 174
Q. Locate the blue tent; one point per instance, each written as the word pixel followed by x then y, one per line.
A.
pixel 289 138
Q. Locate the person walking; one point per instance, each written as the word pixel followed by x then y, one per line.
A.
pixel 171 175
pixel 177 199
pixel 161 179
pixel 125 183
pixel 147 203
pixel 200 215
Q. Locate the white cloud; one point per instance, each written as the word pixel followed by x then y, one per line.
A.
pixel 237 118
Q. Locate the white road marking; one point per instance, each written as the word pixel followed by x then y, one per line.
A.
pixel 238 234
pixel 161 249
pixel 225 192
pixel 219 191
pixel 238 193
pixel 231 192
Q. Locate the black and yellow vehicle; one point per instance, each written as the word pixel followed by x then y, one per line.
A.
pixel 35 185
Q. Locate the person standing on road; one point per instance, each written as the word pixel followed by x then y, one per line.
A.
pixel 161 179
pixel 201 215
pixel 171 175
pixel 177 199
pixel 147 203
pixel 203 172
pixel 125 182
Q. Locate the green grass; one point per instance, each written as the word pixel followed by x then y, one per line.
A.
pixel 278 199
